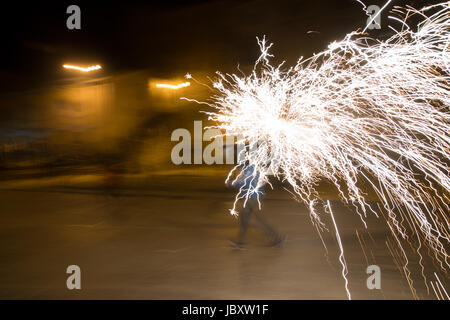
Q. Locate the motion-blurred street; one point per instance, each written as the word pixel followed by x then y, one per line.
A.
pixel 166 237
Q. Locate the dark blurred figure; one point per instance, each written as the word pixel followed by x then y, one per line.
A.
pixel 247 182
pixel 113 169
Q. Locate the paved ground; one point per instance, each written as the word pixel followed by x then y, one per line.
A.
pixel 168 240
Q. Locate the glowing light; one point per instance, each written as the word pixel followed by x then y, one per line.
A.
pixel 363 113
pixel 172 86
pixel 88 69
pixel 341 255
pixel 439 285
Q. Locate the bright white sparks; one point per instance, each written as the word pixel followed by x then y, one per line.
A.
pixel 172 86
pixel 363 113
pixel 88 69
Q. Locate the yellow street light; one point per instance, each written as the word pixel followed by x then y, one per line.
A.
pixel 88 69
pixel 173 86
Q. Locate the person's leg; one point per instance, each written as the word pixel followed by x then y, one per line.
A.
pixel 275 237
pixel 244 220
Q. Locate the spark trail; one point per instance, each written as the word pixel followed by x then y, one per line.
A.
pixel 362 113
pixel 341 248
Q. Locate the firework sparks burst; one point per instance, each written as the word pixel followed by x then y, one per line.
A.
pixel 364 112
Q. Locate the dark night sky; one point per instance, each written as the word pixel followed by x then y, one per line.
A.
pixel 166 37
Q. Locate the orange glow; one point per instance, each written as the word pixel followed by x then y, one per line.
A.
pixel 88 69
pixel 172 86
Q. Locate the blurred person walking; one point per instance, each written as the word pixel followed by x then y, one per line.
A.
pixel 247 183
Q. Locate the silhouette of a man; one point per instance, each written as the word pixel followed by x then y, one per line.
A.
pixel 248 184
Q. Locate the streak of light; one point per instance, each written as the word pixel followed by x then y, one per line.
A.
pixel 435 292
pixel 443 289
pixel 172 86
pixel 341 255
pixel 82 69
pixel 362 247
